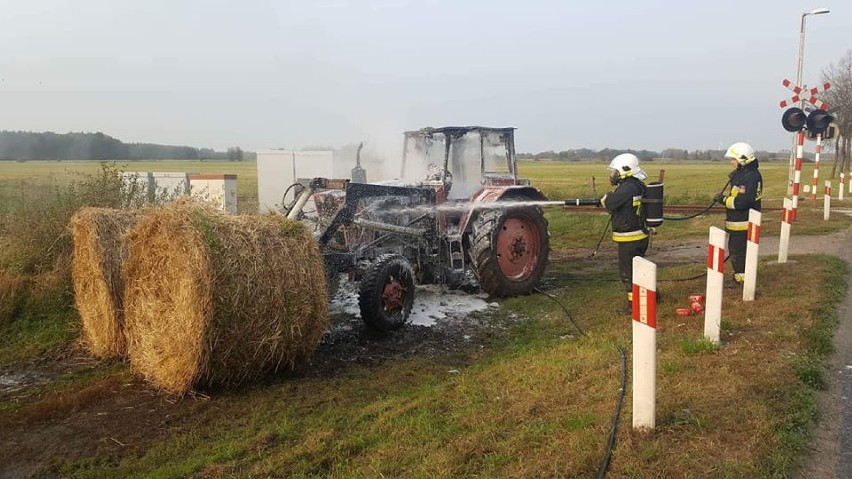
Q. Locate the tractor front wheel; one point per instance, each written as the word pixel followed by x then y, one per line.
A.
pixel 510 250
pixel 387 293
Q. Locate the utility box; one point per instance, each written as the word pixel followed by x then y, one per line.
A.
pixel 278 169
pixel 220 190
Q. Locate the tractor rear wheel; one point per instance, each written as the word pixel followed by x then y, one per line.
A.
pixel 387 293
pixel 510 250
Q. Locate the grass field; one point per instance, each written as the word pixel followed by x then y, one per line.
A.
pixel 531 394
pixel 686 182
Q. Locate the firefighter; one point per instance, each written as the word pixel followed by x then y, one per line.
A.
pixel 745 193
pixel 624 204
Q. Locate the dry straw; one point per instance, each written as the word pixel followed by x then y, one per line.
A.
pixel 11 288
pixel 213 299
pixel 97 256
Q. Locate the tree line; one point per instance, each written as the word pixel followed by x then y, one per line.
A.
pixel 28 145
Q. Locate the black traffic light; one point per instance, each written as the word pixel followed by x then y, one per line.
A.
pixel 794 119
pixel 818 121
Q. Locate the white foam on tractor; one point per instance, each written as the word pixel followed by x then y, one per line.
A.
pixel 431 303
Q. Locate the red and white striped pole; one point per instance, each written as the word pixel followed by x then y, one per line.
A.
pixel 715 283
pixel 816 167
pixel 840 189
pixel 752 246
pixel 826 205
pixel 644 343
pixel 797 176
pixel 784 243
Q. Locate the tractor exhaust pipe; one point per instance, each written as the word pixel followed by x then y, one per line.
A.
pixel 359 175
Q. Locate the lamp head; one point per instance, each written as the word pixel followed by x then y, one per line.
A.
pixel 817 11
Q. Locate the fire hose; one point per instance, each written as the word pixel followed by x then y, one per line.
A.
pixel 622 389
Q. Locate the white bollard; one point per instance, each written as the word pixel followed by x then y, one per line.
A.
pixel 644 343
pixel 842 185
pixel 826 205
pixel 715 283
pixel 784 243
pixel 752 246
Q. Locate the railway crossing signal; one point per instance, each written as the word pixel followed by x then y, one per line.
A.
pixel 808 95
pixel 795 119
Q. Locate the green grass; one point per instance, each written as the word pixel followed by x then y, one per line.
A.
pixel 685 182
pixel 531 404
pixel 692 346
pixel 46 322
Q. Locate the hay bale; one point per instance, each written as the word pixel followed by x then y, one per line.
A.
pixel 215 299
pixel 97 256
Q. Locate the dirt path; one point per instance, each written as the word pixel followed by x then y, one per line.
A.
pixel 830 453
pixel 831 449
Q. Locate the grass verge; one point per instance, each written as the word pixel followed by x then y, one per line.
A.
pixel 537 401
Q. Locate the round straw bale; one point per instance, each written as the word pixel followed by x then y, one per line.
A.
pixel 97 256
pixel 214 299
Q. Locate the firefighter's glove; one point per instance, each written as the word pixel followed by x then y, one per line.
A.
pixel 729 201
pixel 720 198
pixel 602 201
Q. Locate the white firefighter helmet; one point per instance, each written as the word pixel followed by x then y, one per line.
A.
pixel 740 151
pixel 625 165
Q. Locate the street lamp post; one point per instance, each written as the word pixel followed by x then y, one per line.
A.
pixel 816 11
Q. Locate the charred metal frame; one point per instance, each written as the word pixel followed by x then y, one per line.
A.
pixel 452 133
pixel 357 191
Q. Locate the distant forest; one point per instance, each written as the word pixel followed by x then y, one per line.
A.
pixel 26 145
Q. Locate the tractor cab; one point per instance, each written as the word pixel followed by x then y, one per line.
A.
pixel 459 161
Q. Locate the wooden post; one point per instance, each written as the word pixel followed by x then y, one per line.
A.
pixel 644 343
pixel 784 243
pixel 826 205
pixel 752 246
pixel 715 283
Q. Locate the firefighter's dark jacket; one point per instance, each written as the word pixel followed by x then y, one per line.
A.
pixel 746 191
pixel 624 203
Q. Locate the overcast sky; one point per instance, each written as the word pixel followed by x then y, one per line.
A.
pixel 265 74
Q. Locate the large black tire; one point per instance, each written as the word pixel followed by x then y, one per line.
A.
pixel 510 250
pixel 387 293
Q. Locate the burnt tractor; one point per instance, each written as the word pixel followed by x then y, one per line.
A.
pixel 459 216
